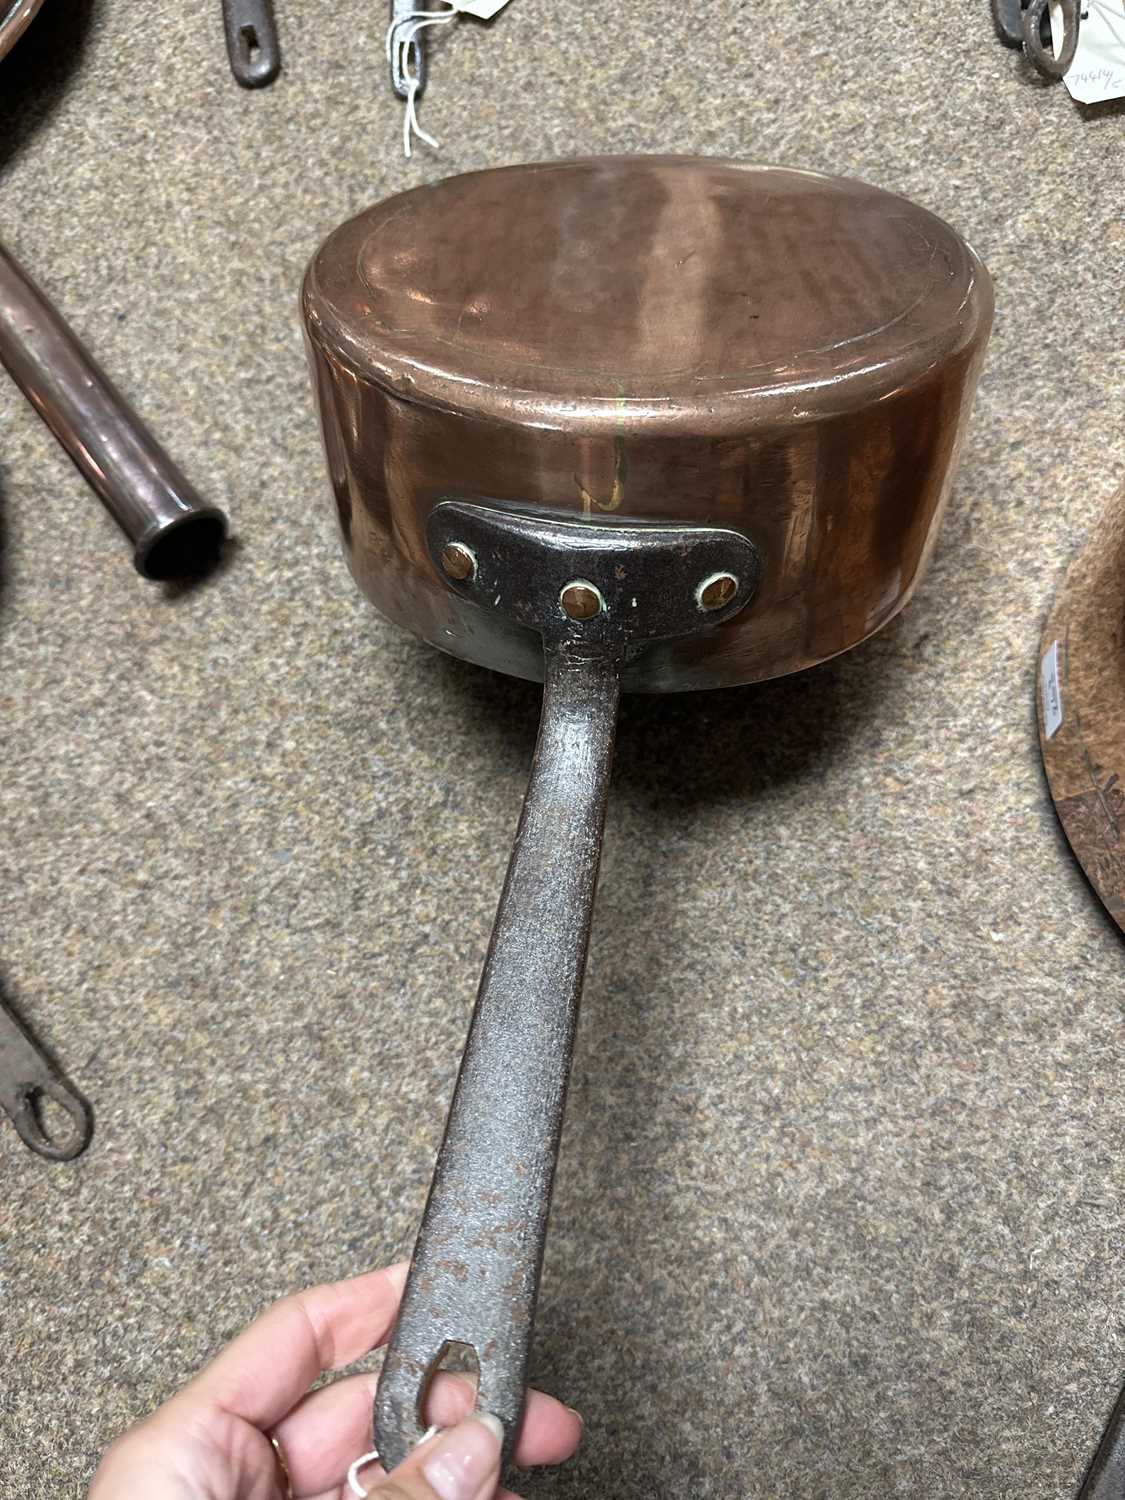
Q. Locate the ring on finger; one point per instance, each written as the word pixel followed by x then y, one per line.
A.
pixel 283 1473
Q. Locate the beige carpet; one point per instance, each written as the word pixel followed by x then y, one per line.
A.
pixel 840 1211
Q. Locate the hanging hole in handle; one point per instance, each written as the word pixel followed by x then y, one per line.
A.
pixel 1038 35
pixel 53 1121
pixel 441 1406
pixel 250 44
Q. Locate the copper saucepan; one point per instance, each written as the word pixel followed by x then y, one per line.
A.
pixel 650 423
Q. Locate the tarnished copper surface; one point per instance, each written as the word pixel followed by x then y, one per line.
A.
pixel 666 338
pixel 1085 755
pixel 174 531
pixel 15 17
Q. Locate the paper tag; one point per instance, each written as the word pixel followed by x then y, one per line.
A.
pixel 1098 69
pixel 1050 691
pixel 484 10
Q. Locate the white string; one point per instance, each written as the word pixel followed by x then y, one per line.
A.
pixel 373 1458
pixel 410 118
pixel 401 34
pixel 415 15
pixel 353 1473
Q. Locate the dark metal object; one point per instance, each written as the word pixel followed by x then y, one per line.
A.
pixel 27 1074
pixel 1105 1478
pixel 1027 24
pixel 174 532
pixel 648 577
pixel 475 1274
pixel 1007 17
pixel 1040 52
pixel 252 46
pixel 400 9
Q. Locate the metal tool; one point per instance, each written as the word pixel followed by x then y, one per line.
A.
pixel 252 45
pixel 27 1074
pixel 1039 49
pixel 174 532
pixel 1027 24
pixel 635 423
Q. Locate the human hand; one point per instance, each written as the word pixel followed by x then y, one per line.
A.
pixel 214 1440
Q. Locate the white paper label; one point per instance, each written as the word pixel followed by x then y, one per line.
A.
pixel 484 10
pixel 1098 69
pixel 1049 689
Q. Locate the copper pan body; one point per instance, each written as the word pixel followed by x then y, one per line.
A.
pixel 659 338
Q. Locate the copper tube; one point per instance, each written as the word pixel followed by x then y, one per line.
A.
pixel 173 530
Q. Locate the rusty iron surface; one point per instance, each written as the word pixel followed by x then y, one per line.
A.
pixel 474 1279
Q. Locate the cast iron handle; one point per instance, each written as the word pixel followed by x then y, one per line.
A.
pixel 475 1273
pixel 1043 57
pixel 596 593
pixel 26 1073
pixel 252 46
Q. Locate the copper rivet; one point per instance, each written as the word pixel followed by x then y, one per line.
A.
pixel 457 561
pixel 717 591
pixel 581 601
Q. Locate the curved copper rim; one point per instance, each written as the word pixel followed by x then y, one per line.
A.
pixel 1080 707
pixel 773 400
pixel 15 22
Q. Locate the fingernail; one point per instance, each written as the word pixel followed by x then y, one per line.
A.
pixel 464 1457
pixel 574 1412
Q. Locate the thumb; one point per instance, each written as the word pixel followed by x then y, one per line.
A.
pixel 462 1463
